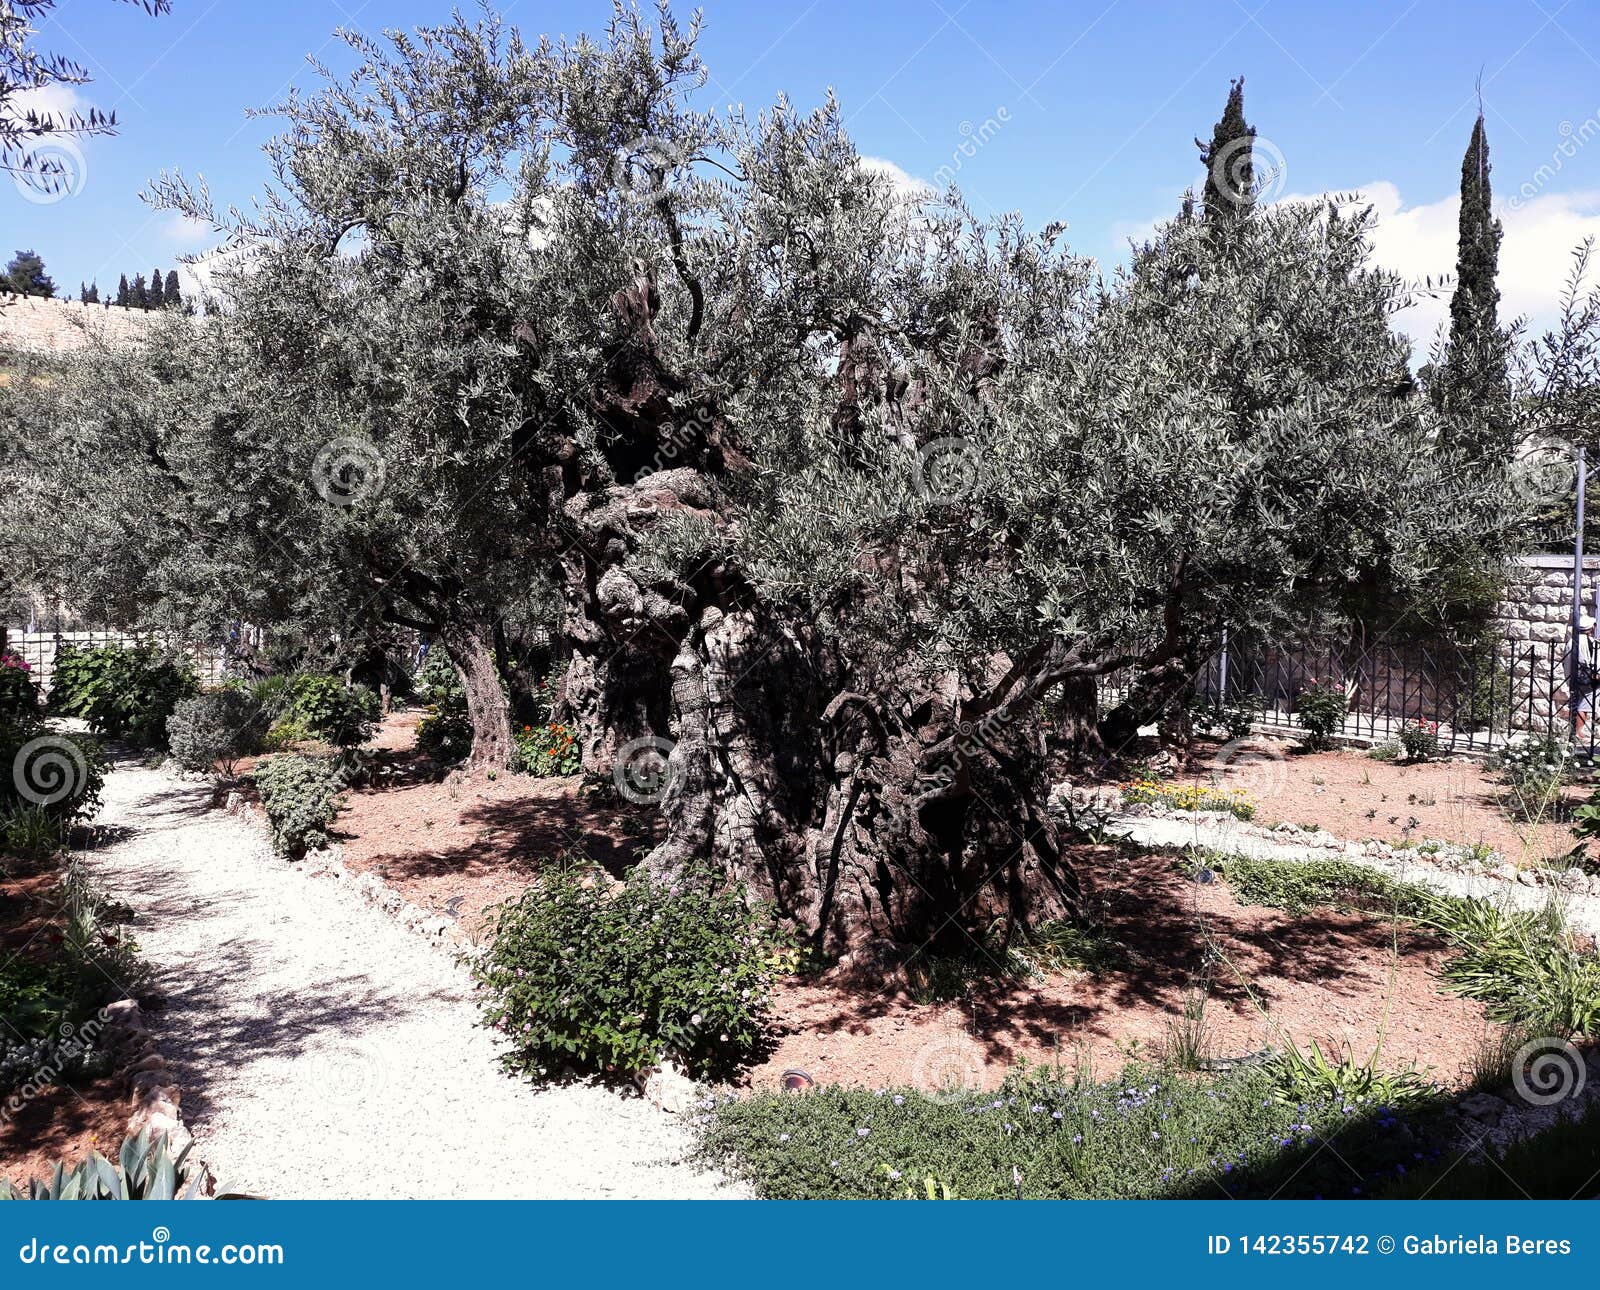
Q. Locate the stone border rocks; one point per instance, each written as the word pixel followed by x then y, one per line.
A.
pixel 154 1093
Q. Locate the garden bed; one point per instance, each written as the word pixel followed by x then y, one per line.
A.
pixel 461 844
pixel 1356 796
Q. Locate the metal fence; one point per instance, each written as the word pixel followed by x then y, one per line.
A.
pixel 1480 699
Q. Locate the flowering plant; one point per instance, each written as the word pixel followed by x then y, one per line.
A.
pixel 1321 707
pixel 19 696
pixel 546 750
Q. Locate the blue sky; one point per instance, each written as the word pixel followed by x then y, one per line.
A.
pixel 1091 109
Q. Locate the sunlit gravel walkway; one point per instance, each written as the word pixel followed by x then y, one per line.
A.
pixel 324 1051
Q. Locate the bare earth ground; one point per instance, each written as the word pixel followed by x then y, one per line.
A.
pixel 1329 978
pixel 1356 798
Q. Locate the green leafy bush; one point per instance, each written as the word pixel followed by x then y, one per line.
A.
pixel 127 691
pixel 1152 1133
pixel 546 750
pixel 331 710
pixel 1420 739
pixel 48 781
pixel 218 726
pixel 1321 708
pixel 301 796
pixel 283 734
pixel 438 683
pixel 582 975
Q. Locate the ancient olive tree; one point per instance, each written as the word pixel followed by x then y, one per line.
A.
pixel 834 481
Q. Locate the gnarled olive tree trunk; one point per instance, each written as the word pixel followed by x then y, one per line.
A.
pixel 471 649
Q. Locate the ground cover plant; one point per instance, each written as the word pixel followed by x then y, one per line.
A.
pixel 1190 797
pixel 1151 1133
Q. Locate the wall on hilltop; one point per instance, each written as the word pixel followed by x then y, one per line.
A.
pixel 35 325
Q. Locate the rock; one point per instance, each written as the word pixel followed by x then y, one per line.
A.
pixel 1526 878
pixel 120 1011
pixel 1507 872
pixel 149 1062
pixel 1483 1107
pixel 670 1089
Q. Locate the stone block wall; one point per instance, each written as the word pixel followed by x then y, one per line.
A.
pixel 34 325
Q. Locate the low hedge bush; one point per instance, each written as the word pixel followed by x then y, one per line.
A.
pixel 216 727
pixel 580 975
pixel 301 796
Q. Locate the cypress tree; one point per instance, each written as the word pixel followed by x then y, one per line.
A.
pixel 174 294
pixel 1229 160
pixel 94 293
pixel 1471 385
pixel 83 292
pixel 158 294
pixel 26 276
pixel 139 295
pixel 124 295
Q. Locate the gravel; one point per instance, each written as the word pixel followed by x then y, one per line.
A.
pixel 325 1052
pixel 1583 912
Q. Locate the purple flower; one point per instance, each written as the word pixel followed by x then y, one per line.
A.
pixel 863 1131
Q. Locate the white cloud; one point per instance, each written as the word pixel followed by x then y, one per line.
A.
pixel 903 183
pixel 1419 242
pixel 55 101
pixel 182 230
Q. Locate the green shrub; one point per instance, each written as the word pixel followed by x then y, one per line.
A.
pixel 1420 739
pixel 301 796
pixel 1557 1163
pixel 271 695
pixel 283 734
pixel 438 683
pixel 144 1170
pixel 218 726
pixel 127 691
pixel 1321 708
pixel 546 750
pixel 1152 1133
pixel 585 976
pixel 1388 750
pixel 331 710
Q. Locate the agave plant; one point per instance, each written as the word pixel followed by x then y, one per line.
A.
pixel 145 1170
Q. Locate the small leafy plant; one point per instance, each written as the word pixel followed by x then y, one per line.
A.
pixel 127 691
pixel 1420 739
pixel 1322 708
pixel 145 1169
pixel 301 796
pixel 580 974
pixel 1535 770
pixel 1189 797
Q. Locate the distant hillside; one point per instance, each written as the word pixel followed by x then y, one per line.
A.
pixel 39 326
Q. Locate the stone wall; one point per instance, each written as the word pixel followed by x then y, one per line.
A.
pixel 32 324
pixel 1538 599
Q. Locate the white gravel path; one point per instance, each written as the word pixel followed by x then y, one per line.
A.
pixel 326 1052
pixel 1583 912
